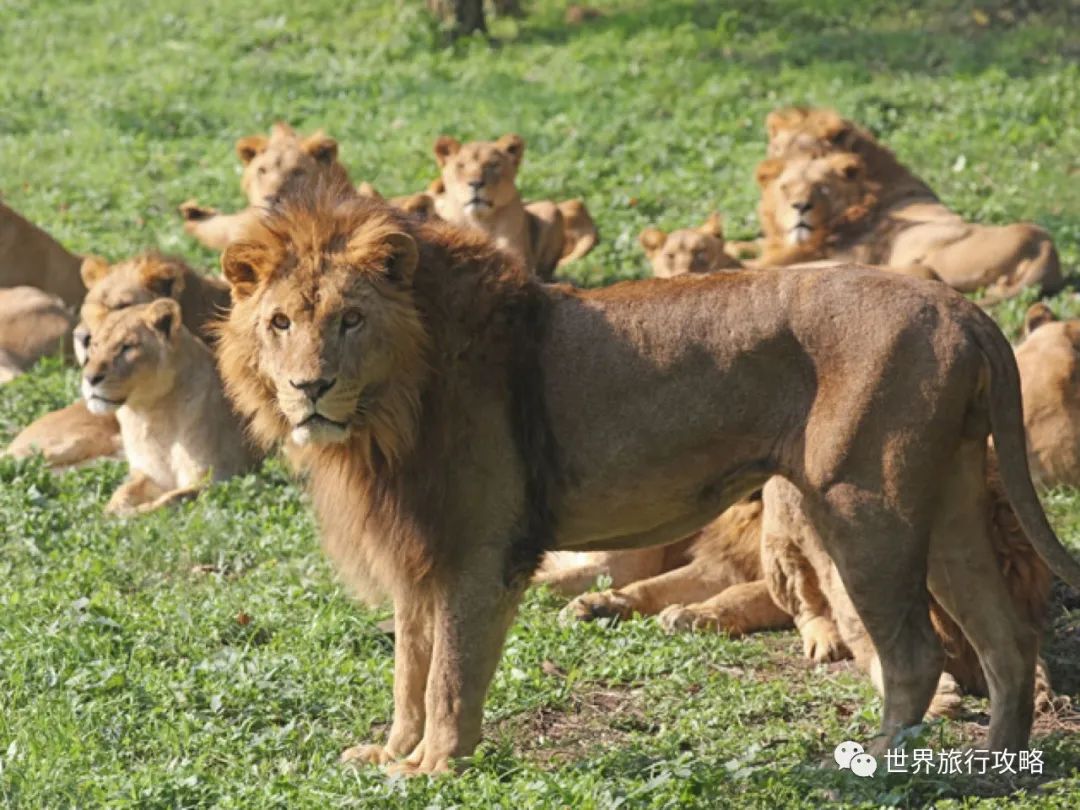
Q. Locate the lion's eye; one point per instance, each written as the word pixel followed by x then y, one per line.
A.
pixel 127 348
pixel 280 322
pixel 261 171
pixel 352 319
pixel 459 166
pixel 296 173
pixel 825 190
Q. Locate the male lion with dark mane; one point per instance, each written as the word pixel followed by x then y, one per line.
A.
pixel 455 419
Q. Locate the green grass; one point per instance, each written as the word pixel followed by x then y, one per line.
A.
pixel 131 677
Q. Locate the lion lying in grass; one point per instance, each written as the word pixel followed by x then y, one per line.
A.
pixel 479 190
pixel 29 257
pixel 455 419
pixel 73 435
pixel 688 250
pixel 33 324
pixel 898 222
pixel 160 381
pixel 274 167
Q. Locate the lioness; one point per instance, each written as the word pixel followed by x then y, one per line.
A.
pixel 274 167
pixel 905 225
pixel 1049 362
pixel 688 250
pixel 479 190
pixel 73 435
pixel 455 419
pixel 177 428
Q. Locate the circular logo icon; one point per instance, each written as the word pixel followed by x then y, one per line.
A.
pixel 845 751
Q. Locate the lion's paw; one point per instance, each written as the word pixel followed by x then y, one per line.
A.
pixel 680 618
pixel 419 767
pixel 948 700
pixel 591 606
pixel 360 755
pixel 822 642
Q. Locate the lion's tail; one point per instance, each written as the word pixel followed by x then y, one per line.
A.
pixel 1007 426
pixel 580 230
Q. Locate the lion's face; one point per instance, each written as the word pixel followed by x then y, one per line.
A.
pixel 277 166
pixel 130 354
pixel 688 250
pixel 803 198
pixel 480 176
pixel 125 284
pixel 323 317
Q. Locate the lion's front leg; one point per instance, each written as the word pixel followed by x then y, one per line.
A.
pixel 412 661
pixel 212 228
pixel 472 614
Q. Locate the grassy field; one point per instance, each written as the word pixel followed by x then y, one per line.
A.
pixel 206 656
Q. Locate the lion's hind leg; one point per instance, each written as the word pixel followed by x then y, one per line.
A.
pixel 889 595
pixel 965 578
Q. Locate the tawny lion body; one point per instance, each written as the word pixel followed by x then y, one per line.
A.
pixel 478 190
pixel 456 419
pixel 29 257
pixel 274 167
pixel 33 324
pixel 906 225
pixel 160 381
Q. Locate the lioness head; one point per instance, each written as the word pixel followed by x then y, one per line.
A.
pixel 323 328
pixel 805 199
pixel 111 287
pixel 130 355
pixel 810 131
pixel 480 176
pixel 286 161
pixel 688 250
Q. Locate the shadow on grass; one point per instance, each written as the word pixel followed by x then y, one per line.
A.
pixel 938 39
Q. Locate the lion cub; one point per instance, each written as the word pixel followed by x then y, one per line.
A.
pixel 479 190
pixel 177 428
pixel 688 250
pixel 274 167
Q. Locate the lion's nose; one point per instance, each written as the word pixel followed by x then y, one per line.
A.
pixel 476 185
pixel 314 389
pixel 96 378
pixel 802 206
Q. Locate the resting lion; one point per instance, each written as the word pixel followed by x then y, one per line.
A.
pixel 161 382
pixel 29 257
pixel 479 190
pixel 903 223
pixel 73 435
pixel 274 167
pixel 33 324
pixel 688 250
pixel 455 419
pixel 1049 362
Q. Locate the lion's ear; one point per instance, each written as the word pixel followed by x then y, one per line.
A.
pixel 243 264
pixel 164 278
pixel 445 148
pixel 437 187
pixel 784 118
pixel 848 165
pixel 514 145
pixel 1037 315
pixel 248 147
pixel 163 315
pixel 365 189
pixel 768 170
pixel 652 239
pixel 93 270
pixel 321 147
pixel 282 130
pixel 713 226
pixel 403 259
pixel 831 127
